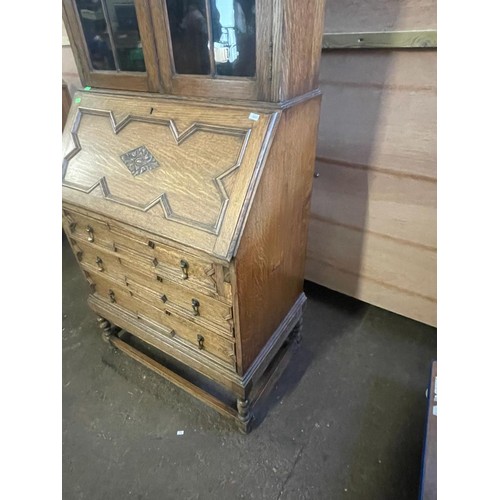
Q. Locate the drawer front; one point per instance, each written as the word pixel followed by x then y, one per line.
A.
pixel 149 256
pixel 87 229
pixel 98 260
pixel 194 307
pixel 171 264
pixel 187 303
pixel 201 339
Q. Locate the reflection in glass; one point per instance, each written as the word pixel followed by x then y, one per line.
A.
pixel 112 34
pixel 126 36
pixel 233 33
pixel 221 44
pixel 189 35
pixel 95 29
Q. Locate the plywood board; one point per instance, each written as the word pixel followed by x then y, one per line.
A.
pixel 396 206
pixel 379 110
pixel 379 294
pixel 379 15
pixel 373 211
pixel 400 265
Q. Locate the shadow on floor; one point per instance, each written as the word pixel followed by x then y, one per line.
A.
pixel 346 419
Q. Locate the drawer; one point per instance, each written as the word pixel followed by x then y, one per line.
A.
pixel 192 306
pixel 87 229
pixel 98 260
pixel 147 255
pixel 109 289
pixel 194 336
pixel 177 266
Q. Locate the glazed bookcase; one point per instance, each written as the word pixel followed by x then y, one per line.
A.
pixel 186 180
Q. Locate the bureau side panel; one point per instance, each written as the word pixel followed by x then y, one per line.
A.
pixel 269 266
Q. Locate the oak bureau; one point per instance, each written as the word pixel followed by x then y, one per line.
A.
pixel 186 180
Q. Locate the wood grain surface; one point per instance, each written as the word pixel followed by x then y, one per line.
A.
pixel 157 336
pixel 206 161
pixel 380 15
pixel 411 39
pixel 269 265
pixel 297 40
pixel 373 218
pixel 140 253
pixel 175 326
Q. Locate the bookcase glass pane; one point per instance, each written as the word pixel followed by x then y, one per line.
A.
pixel 125 32
pixel 233 34
pixel 189 34
pixel 112 34
pixel 97 35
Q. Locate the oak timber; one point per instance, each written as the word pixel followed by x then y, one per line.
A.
pixel 188 212
pixel 208 157
pixel 269 263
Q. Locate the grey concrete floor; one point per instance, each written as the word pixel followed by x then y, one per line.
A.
pixel 345 421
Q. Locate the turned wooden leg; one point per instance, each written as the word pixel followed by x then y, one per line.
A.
pixel 105 326
pixel 244 414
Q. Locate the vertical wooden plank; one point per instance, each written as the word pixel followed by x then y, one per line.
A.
pixel 298 46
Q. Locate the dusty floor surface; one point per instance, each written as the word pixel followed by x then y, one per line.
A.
pixel 346 420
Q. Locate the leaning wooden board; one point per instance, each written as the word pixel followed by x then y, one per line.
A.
pixel 373 212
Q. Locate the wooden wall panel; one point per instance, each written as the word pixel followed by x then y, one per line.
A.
pixel 343 16
pixel 373 211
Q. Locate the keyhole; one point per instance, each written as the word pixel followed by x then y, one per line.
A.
pixel 151 112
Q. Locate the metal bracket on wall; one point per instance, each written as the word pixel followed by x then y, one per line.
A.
pixel 423 39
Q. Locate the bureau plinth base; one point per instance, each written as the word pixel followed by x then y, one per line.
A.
pixel 254 386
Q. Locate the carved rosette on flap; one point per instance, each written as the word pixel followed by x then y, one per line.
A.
pixel 139 160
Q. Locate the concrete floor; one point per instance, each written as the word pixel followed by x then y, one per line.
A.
pixel 346 420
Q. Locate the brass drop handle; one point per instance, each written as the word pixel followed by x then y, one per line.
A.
pixel 90 233
pixel 184 269
pixel 98 261
pixel 112 296
pixel 196 307
pixel 200 339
